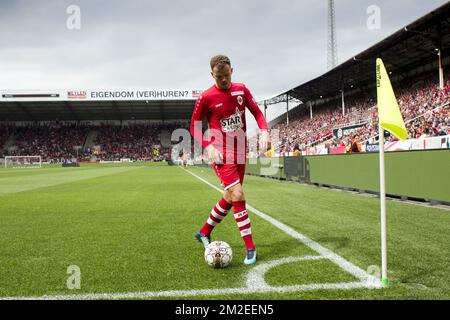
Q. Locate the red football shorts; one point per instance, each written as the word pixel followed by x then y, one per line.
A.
pixel 229 174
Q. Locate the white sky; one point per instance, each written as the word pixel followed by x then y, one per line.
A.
pixel 273 45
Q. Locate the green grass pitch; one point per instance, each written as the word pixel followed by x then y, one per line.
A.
pixel 129 228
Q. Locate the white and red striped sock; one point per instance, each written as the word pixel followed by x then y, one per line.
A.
pixel 218 212
pixel 243 223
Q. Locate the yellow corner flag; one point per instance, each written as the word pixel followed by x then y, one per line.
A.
pixel 389 115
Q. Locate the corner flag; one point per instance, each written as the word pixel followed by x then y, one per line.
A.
pixel 389 115
pixel 389 118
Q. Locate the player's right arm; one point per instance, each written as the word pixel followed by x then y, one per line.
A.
pixel 200 112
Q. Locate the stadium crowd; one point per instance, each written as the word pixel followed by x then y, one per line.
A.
pixel 5 133
pixel 423 105
pixel 136 142
pixel 53 142
pixel 58 143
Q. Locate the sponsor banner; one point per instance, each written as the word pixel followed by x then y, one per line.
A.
pixel 345 131
pixel 441 142
pixel 418 144
pixel 398 145
pixel 196 93
pixel 98 94
pixel 337 150
pixel 76 95
pixel 372 147
pixel 315 151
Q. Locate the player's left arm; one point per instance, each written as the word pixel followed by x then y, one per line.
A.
pixel 259 117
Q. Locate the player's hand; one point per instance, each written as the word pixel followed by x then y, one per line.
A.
pixel 263 141
pixel 214 155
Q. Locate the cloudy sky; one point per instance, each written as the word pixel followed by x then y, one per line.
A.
pixel 273 45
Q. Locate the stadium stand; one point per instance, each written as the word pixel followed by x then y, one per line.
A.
pixel 419 100
pixel 135 142
pixel 424 106
pixel 57 143
pixel 417 59
pixel 53 142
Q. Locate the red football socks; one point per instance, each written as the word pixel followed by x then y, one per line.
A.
pixel 243 222
pixel 218 212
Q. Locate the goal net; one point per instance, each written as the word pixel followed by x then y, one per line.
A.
pixel 20 162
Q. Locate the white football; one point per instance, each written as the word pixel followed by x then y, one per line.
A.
pixel 218 254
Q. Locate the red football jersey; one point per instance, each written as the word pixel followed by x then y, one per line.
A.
pixel 225 111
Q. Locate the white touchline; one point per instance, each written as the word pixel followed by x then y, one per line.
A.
pixel 341 262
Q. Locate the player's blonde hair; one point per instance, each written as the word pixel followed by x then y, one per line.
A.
pixel 220 61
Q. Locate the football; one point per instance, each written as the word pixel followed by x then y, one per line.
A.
pixel 218 254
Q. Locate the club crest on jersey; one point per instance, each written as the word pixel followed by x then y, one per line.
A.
pixel 233 122
pixel 240 100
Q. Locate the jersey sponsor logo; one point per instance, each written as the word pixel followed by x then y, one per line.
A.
pixel 219 105
pixel 233 122
pixel 240 100
pixel 236 93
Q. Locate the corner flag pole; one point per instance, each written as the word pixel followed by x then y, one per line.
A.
pixel 390 119
pixel 384 278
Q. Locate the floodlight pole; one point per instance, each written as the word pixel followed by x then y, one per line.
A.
pixel 343 102
pixel 310 110
pixel 384 278
pixel 332 43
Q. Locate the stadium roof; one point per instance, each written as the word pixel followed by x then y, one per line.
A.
pixel 117 104
pixel 413 46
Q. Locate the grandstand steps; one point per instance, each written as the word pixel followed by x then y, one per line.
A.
pixel 10 143
pixel 90 139
pixel 90 142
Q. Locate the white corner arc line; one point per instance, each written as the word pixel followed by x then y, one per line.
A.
pixel 341 262
pixel 255 277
